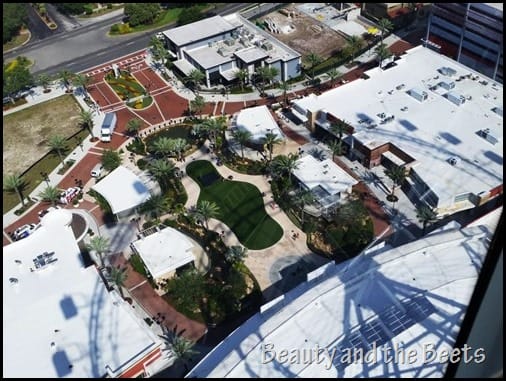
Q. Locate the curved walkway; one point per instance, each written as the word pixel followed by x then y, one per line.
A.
pixel 264 264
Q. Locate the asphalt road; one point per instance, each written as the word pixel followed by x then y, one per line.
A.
pixel 83 47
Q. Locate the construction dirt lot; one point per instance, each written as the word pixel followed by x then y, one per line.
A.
pixel 305 34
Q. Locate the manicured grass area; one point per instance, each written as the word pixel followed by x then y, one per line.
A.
pixel 126 86
pixel 140 103
pixel 241 207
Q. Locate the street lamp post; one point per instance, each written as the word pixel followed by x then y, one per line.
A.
pixel 45 177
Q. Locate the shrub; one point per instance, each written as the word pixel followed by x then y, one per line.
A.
pixel 109 5
pixel 142 164
pixel 88 9
pixel 124 28
pixel 114 28
pixel 137 146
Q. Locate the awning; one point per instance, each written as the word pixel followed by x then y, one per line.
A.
pixel 184 66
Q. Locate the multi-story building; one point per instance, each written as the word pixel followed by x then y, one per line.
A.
pixel 220 46
pixel 438 119
pixel 470 33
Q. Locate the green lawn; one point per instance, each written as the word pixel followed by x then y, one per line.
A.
pixel 241 207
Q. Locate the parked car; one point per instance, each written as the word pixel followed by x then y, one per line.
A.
pixel 97 170
pixel 69 194
pixel 23 231
pixel 43 212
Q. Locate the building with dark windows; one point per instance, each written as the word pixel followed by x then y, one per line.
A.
pixel 470 33
pixel 221 46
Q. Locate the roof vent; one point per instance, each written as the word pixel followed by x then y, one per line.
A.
pixel 453 160
pixel 13 280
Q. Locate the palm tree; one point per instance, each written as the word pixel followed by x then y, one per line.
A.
pixel 314 60
pixel 50 194
pixel 162 146
pixel 242 76
pixel 65 78
pixel 162 170
pixel 354 45
pixel 87 121
pixel 58 144
pixel 266 74
pixel 110 159
pixel 81 80
pixel 155 205
pixel 303 197
pixel 179 146
pixel 197 105
pixel 44 80
pixel 179 346
pixel 269 140
pixel 133 126
pixel 101 246
pixel 333 75
pixel 286 87
pixel 426 215
pixel 158 50
pixel 336 147
pixel 284 165
pixel 382 53
pixel 194 78
pixel 236 254
pixel 397 175
pixel 15 184
pixel 385 25
pixel 214 127
pixel 338 128
pixel 118 276
pixel 242 137
pixel 205 210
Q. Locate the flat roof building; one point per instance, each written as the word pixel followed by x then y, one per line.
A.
pixel 258 121
pixel 59 319
pixel 438 118
pixel 325 179
pixel 165 251
pixel 362 317
pixel 220 46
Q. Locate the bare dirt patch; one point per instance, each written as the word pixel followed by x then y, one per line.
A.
pixel 307 35
pixel 27 132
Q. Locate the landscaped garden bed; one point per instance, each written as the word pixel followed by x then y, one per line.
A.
pixel 127 88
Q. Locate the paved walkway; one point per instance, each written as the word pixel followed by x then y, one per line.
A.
pixel 262 263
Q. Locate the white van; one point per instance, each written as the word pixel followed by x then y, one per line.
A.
pixel 97 170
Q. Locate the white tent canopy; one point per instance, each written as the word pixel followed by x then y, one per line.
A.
pixel 122 189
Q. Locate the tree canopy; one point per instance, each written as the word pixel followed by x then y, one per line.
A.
pixel 14 16
pixel 141 13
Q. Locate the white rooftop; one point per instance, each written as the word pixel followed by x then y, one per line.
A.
pixel 185 66
pixel 207 57
pixel 431 131
pixel 122 189
pixel 258 121
pixel 95 328
pixel 198 30
pixel 251 54
pixel 408 298
pixel 325 174
pixel 165 251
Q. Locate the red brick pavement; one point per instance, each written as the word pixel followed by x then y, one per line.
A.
pixel 233 107
pixel 150 114
pixel 149 79
pixel 171 104
pixel 80 170
pixel 154 304
pixel 400 47
pixel 106 91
